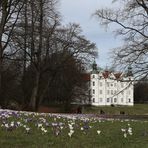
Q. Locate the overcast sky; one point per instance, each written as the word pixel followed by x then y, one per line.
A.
pixel 80 11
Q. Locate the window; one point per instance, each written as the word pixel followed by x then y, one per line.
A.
pixel 107 84
pixel 93 91
pixel 112 92
pixel 121 99
pixel 107 99
pixel 115 99
pixel 122 85
pixel 93 76
pixel 89 92
pixel 89 100
pixel 100 99
pixel 100 91
pixel 100 83
pixel 115 91
pixel 129 92
pixel 93 99
pixel 108 92
pixel 111 84
pixel 129 100
pixel 93 83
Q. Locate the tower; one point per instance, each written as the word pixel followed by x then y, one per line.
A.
pixel 129 71
pixel 94 67
pixel 94 84
pixel 130 88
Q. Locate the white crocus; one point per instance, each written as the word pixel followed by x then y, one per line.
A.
pixel 61 127
pixel 44 130
pixel 6 125
pixel 12 123
pixel 98 132
pixel 27 129
pixel 123 130
pixel 70 126
pixel 125 135
pixel 19 123
pixel 70 133
pixel 39 125
pixel 130 131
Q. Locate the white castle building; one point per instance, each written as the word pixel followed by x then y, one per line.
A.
pixel 109 88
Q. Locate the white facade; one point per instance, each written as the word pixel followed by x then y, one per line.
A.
pixel 109 88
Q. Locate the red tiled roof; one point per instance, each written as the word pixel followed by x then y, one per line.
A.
pixel 117 75
pixel 86 76
pixel 106 74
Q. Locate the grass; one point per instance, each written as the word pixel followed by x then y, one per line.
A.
pixel 137 109
pixel 46 130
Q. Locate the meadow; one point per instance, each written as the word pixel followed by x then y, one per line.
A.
pixel 35 130
pixel 137 109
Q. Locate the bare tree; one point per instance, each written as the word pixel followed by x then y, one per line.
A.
pixel 9 14
pixel 68 49
pixel 35 39
pixel 132 18
pixel 31 38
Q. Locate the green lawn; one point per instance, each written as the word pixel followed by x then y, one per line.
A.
pixel 137 109
pixel 48 131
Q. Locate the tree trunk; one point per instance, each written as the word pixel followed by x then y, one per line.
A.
pixel 25 37
pixel 49 82
pixel 0 72
pixel 33 100
pixel 2 24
